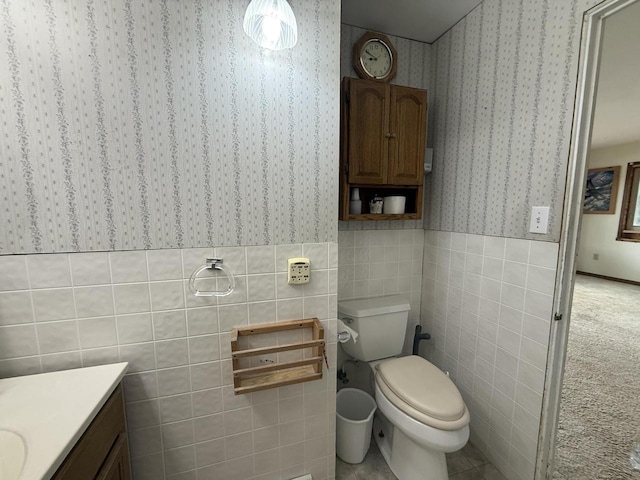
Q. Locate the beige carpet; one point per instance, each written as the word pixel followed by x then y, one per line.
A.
pixel 600 410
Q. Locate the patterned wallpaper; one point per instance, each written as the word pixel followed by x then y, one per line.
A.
pixel 155 124
pixel 505 80
pixel 414 70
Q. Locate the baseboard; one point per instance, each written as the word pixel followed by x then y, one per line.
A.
pixel 614 279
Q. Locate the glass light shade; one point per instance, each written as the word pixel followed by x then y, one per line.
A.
pixel 271 24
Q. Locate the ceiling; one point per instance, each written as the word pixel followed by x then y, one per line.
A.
pixel 617 110
pixel 423 20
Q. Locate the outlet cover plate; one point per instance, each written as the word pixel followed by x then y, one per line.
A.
pixel 539 220
pixel 298 271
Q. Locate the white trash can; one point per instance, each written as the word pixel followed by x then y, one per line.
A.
pixel 354 412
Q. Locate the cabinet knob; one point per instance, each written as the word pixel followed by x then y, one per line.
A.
pixel 390 135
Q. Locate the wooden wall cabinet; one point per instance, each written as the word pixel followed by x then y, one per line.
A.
pixel 102 453
pixel 383 137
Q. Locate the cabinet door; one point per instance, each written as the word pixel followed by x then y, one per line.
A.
pixel 116 466
pixel 408 130
pixel 89 456
pixel 368 132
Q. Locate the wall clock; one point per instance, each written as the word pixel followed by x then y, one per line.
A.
pixel 375 58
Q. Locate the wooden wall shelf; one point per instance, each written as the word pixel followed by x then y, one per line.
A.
pixel 273 355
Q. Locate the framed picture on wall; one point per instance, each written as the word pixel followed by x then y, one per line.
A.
pixel 602 189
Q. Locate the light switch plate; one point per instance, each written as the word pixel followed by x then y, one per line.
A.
pixel 299 271
pixel 539 220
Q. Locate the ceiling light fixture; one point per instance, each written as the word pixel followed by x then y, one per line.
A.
pixel 271 24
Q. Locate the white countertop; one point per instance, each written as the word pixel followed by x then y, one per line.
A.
pixel 51 411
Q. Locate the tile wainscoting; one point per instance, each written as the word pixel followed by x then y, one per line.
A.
pixel 382 262
pixel 64 311
pixel 487 301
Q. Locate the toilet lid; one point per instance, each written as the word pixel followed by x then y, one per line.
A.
pixel 423 386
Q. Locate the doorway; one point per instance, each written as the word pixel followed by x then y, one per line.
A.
pixel 591 62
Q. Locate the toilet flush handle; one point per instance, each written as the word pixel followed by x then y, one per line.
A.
pixel 417 337
pixel 347 320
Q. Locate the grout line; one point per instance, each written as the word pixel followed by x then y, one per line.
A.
pixel 33 313
pixel 155 358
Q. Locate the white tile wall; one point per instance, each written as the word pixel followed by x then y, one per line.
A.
pixel 72 310
pixel 382 262
pixel 487 303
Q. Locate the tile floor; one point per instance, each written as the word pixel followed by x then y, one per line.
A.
pixel 467 464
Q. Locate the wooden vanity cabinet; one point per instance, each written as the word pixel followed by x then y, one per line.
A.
pixel 383 139
pixel 102 453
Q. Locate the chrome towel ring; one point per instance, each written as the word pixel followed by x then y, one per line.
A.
pixel 212 264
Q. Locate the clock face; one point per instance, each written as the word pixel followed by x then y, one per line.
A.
pixel 376 58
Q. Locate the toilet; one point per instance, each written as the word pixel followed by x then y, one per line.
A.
pixel 421 414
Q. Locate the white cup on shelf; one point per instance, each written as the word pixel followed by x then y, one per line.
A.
pixel 394 204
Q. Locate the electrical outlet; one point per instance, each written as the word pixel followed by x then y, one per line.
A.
pixel 299 271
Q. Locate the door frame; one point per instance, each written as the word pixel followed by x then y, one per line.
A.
pixel 588 67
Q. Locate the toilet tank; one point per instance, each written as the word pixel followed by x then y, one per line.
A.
pixel 381 323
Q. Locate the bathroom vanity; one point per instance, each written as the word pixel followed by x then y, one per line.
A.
pixel 71 425
pixel 102 452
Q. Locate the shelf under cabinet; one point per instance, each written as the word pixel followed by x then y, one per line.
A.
pixel 413 206
pixel 383 216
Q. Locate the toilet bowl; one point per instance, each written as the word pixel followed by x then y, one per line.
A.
pixel 421 414
pixel 421 417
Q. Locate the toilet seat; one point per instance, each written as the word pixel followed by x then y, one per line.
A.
pixel 423 392
pixel 422 434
